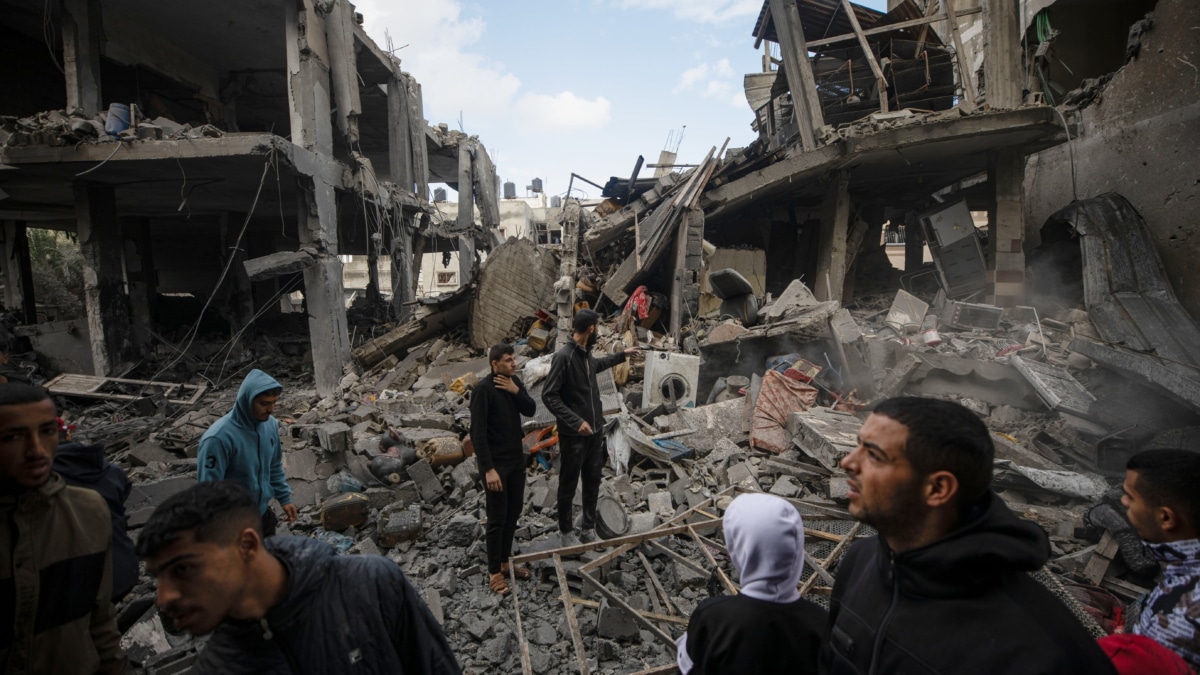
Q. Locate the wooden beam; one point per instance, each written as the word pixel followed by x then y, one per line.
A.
pixel 964 68
pixel 609 543
pixel 572 620
pixel 729 585
pixel 677 620
pixel 622 550
pixel 526 662
pixel 880 82
pixel 806 105
pixel 911 23
pixel 833 556
pixel 656 584
pixel 633 613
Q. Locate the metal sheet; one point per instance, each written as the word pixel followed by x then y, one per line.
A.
pixel 1058 388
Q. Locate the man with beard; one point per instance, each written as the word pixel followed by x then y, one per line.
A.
pixel 56 612
pixel 285 604
pixel 572 394
pixel 944 587
pixel 497 404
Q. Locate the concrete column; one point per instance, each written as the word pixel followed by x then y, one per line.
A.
pixel 1003 75
pixel 403 282
pixel 796 67
pixel 835 224
pixel 103 277
pixel 239 309
pixel 18 271
pixel 416 119
pixel 343 62
pixel 323 291
pixel 1006 230
pixel 308 96
pixel 466 212
pixel 82 29
pixel 914 244
pixel 141 278
pixel 400 162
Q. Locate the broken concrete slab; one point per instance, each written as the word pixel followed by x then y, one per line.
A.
pixel 281 264
pixel 794 300
pixel 516 281
pixel 709 424
pixel 335 438
pixel 401 525
pixel 427 482
pixel 825 435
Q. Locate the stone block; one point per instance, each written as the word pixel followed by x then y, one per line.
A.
pixel 427 421
pixel 366 547
pixel 785 487
pixel 335 438
pixel 660 503
pixel 427 483
pixel 362 414
pixel 839 488
pixel 156 492
pixel 614 623
pixel 148 452
pixel 300 464
pixel 462 530
pixel 686 576
pixel 381 497
pixel 465 474
pixel 640 523
pixel 402 525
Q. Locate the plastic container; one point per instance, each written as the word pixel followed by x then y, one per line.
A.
pixel 117 119
pixel 929 333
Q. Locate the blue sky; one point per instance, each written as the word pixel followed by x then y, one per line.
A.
pixel 579 85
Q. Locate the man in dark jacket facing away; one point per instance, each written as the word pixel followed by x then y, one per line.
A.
pixel 572 394
pixel 497 404
pixel 944 587
pixel 284 605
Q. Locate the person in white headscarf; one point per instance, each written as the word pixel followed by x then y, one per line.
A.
pixel 766 627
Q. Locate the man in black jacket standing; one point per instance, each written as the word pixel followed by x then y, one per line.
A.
pixel 572 394
pixel 497 404
pixel 944 587
pixel 286 604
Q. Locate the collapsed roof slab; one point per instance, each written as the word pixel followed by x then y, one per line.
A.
pixel 902 166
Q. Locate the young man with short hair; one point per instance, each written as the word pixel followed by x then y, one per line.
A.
pixel 287 604
pixel 944 587
pixel 1162 502
pixel 56 612
pixel 497 404
pixel 244 446
pixel 573 395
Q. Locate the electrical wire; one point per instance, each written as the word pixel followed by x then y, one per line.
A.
pixel 110 156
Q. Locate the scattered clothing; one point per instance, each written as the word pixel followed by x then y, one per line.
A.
pixel 240 448
pixel 767 627
pixel 84 465
pixel 341 614
pixel 893 613
pixel 1139 655
pixel 1171 614
pixel 56 583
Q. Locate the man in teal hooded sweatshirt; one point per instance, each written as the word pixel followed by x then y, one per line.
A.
pixel 243 446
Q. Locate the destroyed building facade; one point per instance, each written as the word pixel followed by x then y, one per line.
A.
pixel 230 156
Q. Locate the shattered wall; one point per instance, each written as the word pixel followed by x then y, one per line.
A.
pixel 1139 138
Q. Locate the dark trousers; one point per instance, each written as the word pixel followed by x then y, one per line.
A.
pixel 586 455
pixel 269 521
pixel 503 509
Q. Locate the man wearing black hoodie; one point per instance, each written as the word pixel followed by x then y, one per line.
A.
pixel 944 587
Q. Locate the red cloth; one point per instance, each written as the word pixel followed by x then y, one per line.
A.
pixel 639 303
pixel 778 398
pixel 1140 655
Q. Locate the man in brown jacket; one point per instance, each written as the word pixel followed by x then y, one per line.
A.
pixel 56 612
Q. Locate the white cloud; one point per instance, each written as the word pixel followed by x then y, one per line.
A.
pixel 436 41
pixel 563 111
pixel 712 81
pixel 701 11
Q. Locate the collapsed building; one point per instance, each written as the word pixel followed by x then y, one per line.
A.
pixel 759 284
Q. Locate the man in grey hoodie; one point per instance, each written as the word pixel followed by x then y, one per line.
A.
pixel 767 627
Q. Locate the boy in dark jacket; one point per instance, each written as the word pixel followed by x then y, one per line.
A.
pixel 572 394
pixel 287 605
pixel 767 627
pixel 497 404
pixel 944 588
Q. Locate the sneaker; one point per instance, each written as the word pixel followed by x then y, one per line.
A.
pixel 588 536
pixel 566 539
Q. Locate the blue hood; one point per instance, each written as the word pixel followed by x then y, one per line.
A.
pixel 256 383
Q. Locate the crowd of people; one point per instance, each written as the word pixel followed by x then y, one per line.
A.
pixel 944 587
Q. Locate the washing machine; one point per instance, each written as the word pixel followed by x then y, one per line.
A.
pixel 669 373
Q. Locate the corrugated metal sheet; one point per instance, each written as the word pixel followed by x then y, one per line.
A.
pixel 826 18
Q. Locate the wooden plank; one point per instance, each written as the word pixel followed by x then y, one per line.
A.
pixel 88 386
pixel 1102 557
pixel 807 586
pixel 612 555
pixel 669 669
pixel 911 23
pixel 572 620
pixel 677 620
pixel 964 68
pixel 729 585
pixel 820 571
pixel 880 82
pixel 654 582
pixel 806 105
pixel 608 543
pixel 636 615
pixel 526 663
pixel 681 559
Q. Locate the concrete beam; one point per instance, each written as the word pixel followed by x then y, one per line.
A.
pixel 403 287
pixel 466 213
pixel 103 277
pixel 343 67
pixel 835 223
pixel 400 160
pixel 420 150
pixel 82 28
pixel 484 182
pixel 279 264
pixel 18 272
pixel 806 104
pixel 1002 72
